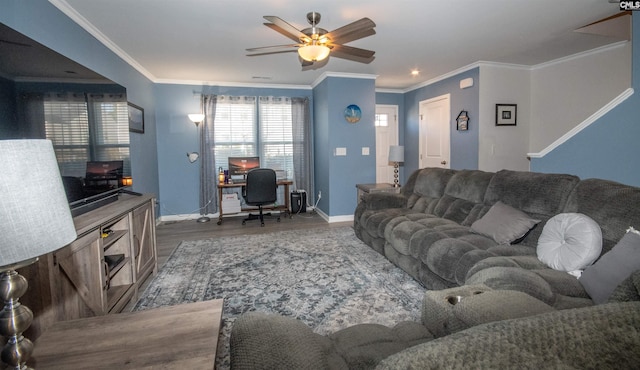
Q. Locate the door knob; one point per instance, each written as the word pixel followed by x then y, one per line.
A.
pixel 443 162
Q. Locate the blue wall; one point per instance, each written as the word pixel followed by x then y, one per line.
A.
pixel 177 135
pixel 337 176
pixel 610 147
pixel 47 25
pixel 464 144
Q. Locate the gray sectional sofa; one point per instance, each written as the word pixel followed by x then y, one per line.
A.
pixel 426 229
pixel 479 241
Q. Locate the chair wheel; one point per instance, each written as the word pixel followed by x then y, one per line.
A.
pixel 278 219
pixel 244 222
pixel 262 224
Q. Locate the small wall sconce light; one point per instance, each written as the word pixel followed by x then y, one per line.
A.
pixel 396 155
pixel 127 181
pixel 196 118
pixel 193 156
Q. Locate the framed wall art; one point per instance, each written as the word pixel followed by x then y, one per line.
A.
pixel 506 114
pixel 136 118
pixel 462 121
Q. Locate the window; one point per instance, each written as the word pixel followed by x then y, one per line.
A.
pixel 243 128
pixel 276 134
pixel 382 120
pixel 235 132
pixel 85 127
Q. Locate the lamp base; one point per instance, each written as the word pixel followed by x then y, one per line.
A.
pixel 15 318
pixel 203 219
pixel 396 183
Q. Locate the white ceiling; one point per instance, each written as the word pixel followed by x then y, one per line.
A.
pixel 204 41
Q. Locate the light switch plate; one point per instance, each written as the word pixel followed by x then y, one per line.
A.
pixel 365 150
pixel 341 151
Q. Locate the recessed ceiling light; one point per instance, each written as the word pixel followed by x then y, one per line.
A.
pixel 415 72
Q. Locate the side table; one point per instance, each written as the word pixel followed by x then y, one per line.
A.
pixel 175 337
pixel 375 188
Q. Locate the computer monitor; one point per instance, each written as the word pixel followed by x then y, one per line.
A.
pixel 239 166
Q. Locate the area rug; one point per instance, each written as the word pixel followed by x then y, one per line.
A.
pixel 326 277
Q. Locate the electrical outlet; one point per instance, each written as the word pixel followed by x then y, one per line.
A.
pixel 319 194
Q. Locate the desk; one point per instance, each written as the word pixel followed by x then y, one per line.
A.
pixel 184 336
pixel 284 208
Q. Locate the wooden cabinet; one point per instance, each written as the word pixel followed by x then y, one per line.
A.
pixel 101 271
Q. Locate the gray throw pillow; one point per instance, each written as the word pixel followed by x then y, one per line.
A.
pixel 504 224
pixel 602 278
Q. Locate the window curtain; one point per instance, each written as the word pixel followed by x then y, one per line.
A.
pixel 302 146
pixel 208 189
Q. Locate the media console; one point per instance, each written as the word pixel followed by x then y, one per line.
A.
pixel 99 272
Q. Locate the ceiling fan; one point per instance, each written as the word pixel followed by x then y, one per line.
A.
pixel 315 44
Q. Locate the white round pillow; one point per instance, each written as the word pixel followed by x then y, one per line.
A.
pixel 569 242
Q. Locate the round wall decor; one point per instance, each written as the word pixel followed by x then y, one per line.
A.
pixel 352 113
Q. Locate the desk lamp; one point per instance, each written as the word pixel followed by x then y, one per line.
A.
pixel 396 155
pixel 36 220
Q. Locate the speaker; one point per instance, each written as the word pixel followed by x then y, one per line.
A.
pixel 298 202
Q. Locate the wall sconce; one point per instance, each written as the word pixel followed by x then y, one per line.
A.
pixel 196 118
pixel 396 155
pixel 193 156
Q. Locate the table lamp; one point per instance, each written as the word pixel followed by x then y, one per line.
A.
pixel 396 155
pixel 36 220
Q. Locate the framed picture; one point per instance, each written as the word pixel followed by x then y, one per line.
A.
pixel 462 122
pixel 506 114
pixel 136 118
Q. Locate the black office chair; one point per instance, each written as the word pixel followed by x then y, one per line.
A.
pixel 260 189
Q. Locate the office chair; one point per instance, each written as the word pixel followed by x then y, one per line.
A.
pixel 260 189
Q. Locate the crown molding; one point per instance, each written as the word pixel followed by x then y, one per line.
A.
pixel 70 12
pixel 325 75
pixel 584 124
pixel 583 54
pixel 231 84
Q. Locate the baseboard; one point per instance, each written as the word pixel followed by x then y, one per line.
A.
pixel 332 219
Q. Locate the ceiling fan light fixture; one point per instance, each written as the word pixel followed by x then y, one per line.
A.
pixel 313 53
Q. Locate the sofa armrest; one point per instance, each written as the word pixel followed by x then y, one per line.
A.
pixel 451 310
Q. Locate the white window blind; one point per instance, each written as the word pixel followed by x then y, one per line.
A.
pixel 235 132
pixel 73 122
pixel 276 134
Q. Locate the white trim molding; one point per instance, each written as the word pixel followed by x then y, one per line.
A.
pixel 584 124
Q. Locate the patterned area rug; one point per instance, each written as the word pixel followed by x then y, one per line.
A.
pixel 326 278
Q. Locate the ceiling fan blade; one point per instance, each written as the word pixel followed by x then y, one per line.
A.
pixel 282 32
pixel 292 32
pixel 288 50
pixel 351 36
pixel 274 47
pixel 354 27
pixel 350 50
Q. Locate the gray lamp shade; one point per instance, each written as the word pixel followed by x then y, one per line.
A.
pixel 34 211
pixel 396 153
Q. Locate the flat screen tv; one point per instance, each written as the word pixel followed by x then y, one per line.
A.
pixel 100 186
pixel 239 166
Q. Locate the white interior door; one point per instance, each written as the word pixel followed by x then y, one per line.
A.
pixel 434 132
pixel 386 135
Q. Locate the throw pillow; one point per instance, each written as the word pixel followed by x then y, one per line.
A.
pixel 504 224
pixel 602 278
pixel 569 242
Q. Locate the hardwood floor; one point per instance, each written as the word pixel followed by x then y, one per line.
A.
pixel 170 234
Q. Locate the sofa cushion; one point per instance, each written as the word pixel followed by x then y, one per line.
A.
pixel 601 279
pixel 569 242
pixel 504 224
